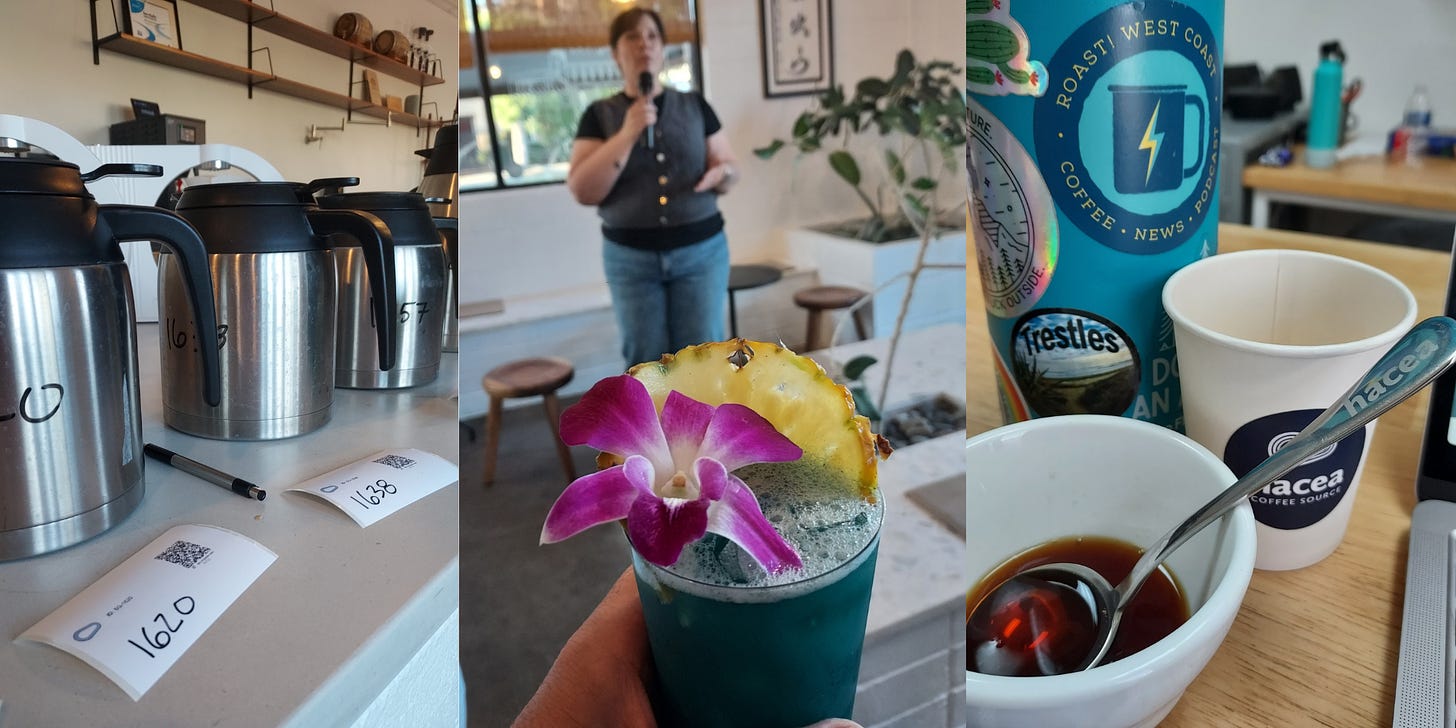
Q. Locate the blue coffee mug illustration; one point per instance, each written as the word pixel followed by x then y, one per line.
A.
pixel 1148 137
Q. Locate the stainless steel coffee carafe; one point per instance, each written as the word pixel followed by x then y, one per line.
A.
pixel 70 406
pixel 272 253
pixel 441 188
pixel 420 275
pixel 450 232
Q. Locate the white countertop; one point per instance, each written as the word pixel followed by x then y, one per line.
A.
pixel 921 565
pixel 318 635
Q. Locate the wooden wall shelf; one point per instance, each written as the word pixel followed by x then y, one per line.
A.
pixel 265 18
pixel 283 26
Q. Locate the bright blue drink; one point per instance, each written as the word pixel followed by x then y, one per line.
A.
pixel 733 647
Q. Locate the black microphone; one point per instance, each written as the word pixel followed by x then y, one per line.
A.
pixel 644 85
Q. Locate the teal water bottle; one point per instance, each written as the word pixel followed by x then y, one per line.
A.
pixel 1326 114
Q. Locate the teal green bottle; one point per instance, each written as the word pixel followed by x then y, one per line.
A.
pixel 1326 113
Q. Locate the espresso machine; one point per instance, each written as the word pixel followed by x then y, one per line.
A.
pixel 20 135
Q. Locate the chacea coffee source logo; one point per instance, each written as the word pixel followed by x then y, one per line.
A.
pixel 1068 362
pixel 1309 492
pixel 1127 135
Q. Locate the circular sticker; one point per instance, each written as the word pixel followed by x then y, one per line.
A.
pixel 1309 492
pixel 1069 362
pixel 1013 220
pixel 1128 131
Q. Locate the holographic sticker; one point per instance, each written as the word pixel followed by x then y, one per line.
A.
pixel 1014 223
pixel 997 52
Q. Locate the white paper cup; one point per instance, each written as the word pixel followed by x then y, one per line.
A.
pixel 1267 339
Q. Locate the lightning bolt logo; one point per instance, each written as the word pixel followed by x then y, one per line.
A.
pixel 1151 142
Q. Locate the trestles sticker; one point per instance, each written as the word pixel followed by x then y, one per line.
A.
pixel 1068 362
pixel 1309 492
pixel 1127 134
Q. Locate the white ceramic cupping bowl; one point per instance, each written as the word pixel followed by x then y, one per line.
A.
pixel 1051 478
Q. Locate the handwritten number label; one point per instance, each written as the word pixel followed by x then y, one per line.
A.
pixel 420 309
pixel 177 338
pixel 182 337
pixel 159 639
pixel 37 412
pixel 375 495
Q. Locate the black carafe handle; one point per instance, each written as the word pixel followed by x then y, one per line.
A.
pixel 375 240
pixel 130 170
pixel 133 222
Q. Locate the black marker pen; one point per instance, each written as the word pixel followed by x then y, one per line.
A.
pixel 211 475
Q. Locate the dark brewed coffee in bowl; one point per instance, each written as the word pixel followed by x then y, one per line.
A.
pixel 1048 632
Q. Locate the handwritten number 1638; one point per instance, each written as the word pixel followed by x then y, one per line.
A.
pixel 375 494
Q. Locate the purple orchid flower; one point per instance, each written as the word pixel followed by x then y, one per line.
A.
pixel 676 482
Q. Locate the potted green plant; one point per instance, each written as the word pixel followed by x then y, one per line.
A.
pixel 897 142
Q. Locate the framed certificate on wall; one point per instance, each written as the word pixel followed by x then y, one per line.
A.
pixel 153 20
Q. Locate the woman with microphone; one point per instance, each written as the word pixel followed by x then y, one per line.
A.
pixel 653 161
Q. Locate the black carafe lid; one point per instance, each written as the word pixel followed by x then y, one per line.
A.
pixel 405 213
pixel 241 194
pixel 374 201
pixel 50 218
pixel 41 177
pixel 444 157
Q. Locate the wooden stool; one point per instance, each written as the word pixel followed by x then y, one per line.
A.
pixel 526 378
pixel 819 299
pixel 742 278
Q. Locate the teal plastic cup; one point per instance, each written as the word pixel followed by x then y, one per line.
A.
pixel 782 656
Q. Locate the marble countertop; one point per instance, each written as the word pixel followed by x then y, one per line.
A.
pixel 318 635
pixel 921 563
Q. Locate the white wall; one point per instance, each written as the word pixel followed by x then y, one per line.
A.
pixel 46 73
pixel 1392 45
pixel 531 240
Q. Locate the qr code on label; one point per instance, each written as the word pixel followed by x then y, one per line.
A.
pixel 398 462
pixel 185 554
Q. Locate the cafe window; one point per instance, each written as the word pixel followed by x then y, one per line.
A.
pixel 529 68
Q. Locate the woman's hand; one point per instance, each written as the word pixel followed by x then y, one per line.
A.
pixel 602 675
pixel 640 115
pixel 718 178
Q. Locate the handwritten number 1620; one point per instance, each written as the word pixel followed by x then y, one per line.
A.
pixel 163 637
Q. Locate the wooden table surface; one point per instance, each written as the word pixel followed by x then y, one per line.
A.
pixel 1432 185
pixel 1316 646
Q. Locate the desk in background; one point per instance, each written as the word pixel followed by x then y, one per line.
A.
pixel 1320 645
pixel 1372 185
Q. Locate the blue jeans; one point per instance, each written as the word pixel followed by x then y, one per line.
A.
pixel 667 300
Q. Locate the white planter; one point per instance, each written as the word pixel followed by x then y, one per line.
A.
pixel 940 294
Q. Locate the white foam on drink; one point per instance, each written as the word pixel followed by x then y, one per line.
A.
pixel 825 521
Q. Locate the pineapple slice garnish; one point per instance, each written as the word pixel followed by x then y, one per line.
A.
pixel 790 391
